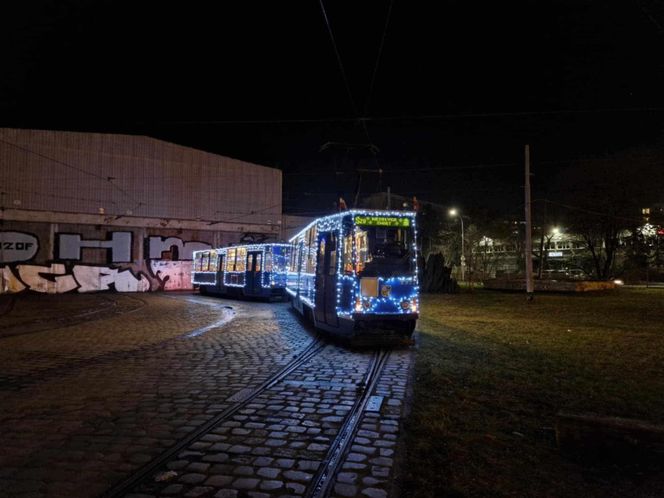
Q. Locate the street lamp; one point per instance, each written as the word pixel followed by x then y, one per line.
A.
pixel 455 214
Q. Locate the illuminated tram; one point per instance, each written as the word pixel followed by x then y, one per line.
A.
pixel 253 270
pixel 355 272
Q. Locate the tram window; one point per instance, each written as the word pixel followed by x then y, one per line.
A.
pixel 321 255
pixel 301 256
pixel 213 261
pixel 269 257
pixel 382 249
pixel 333 256
pixel 362 250
pixel 347 261
pixel 205 260
pixel 230 260
pixel 241 260
pixel 310 254
pixel 257 266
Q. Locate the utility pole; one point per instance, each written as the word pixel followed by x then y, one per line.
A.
pixel 529 235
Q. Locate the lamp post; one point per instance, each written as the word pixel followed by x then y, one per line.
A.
pixel 455 213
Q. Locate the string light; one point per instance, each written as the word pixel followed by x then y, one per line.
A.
pixel 397 295
pixel 273 256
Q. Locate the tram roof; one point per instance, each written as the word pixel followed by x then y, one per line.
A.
pixel 353 212
pixel 250 247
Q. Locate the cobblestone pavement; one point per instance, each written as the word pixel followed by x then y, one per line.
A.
pixel 87 403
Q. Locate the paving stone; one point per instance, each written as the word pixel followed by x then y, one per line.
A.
pixel 219 481
pixel 295 487
pixel 239 449
pixel 374 493
pixel 192 478
pixel 244 470
pixel 198 491
pixel 347 477
pixel 268 472
pixel 198 467
pixel 271 485
pixel 344 489
pixel 356 457
pixel 275 442
pixel 226 493
pixel 297 475
pixel 263 461
pixel 371 481
pixel 216 457
pixel 369 450
pixel 245 483
pixel 308 465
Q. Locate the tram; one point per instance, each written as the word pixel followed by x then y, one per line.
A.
pixel 253 270
pixel 355 272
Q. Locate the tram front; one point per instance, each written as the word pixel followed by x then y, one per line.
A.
pixel 384 271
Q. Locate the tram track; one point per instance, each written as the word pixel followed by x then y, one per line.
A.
pixel 240 399
pixel 324 478
pixel 321 485
pixel 38 325
pixel 67 365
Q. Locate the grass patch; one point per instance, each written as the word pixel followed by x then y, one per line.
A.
pixel 492 371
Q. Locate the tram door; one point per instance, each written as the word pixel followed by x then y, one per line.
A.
pixel 220 270
pixel 326 279
pixel 254 273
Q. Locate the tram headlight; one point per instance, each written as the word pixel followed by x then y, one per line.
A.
pixel 358 305
pixel 409 305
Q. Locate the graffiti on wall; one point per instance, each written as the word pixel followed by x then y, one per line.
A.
pixel 122 274
pixel 184 250
pixel 118 247
pixel 17 246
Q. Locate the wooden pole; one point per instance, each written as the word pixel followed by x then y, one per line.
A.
pixel 529 232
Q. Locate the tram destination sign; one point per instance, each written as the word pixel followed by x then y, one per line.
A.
pixel 382 221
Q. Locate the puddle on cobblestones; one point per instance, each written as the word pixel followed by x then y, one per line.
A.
pixel 229 314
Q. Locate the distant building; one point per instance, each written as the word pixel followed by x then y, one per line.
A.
pixel 88 211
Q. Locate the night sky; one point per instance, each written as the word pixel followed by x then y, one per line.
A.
pixel 446 95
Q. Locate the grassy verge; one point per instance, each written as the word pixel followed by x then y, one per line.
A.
pixel 493 370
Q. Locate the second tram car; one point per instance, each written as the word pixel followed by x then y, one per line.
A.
pixel 253 270
pixel 355 272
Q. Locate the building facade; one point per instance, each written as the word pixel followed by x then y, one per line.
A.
pixel 83 212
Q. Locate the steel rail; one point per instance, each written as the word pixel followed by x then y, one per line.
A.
pixel 126 485
pixel 322 481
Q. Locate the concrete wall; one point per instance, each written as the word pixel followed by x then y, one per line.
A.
pixel 125 175
pixel 91 212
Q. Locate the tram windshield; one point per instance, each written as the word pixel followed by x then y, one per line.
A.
pixel 382 251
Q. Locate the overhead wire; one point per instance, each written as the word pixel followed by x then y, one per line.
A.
pixel 413 117
pixel 380 52
pixel 363 124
